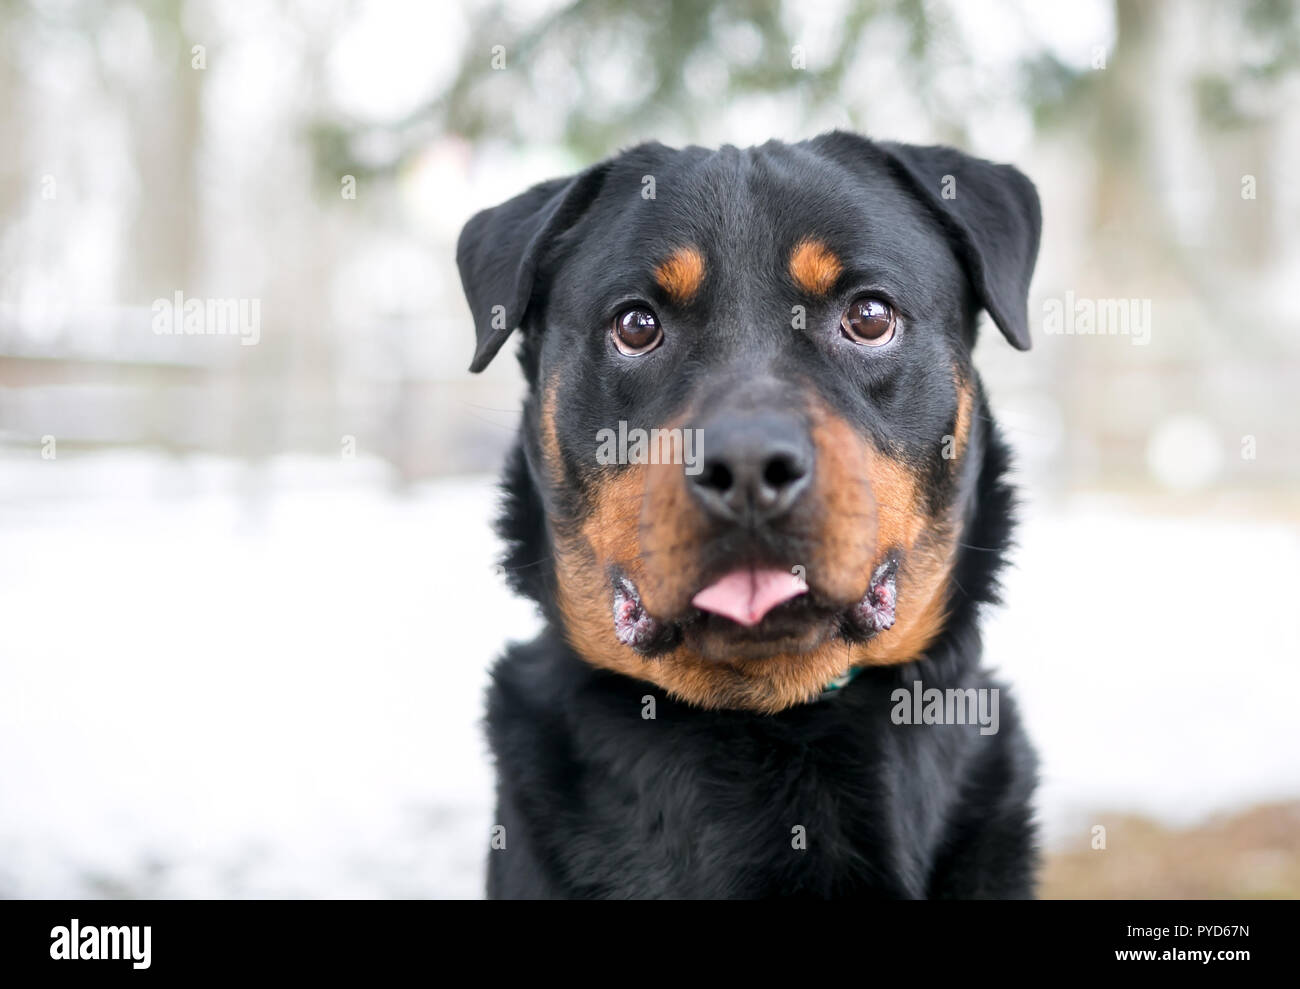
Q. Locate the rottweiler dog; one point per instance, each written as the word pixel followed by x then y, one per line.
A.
pixel 759 499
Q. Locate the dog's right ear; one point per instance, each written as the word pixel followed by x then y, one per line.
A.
pixel 500 249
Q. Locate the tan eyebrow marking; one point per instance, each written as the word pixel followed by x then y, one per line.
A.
pixel 813 267
pixel 681 273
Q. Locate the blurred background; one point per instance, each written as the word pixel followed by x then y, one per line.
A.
pixel 248 593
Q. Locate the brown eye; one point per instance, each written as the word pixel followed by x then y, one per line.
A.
pixel 636 332
pixel 869 321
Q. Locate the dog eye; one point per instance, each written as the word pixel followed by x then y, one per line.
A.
pixel 869 321
pixel 637 332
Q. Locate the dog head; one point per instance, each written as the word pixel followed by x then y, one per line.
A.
pixel 752 414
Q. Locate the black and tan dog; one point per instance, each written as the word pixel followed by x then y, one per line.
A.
pixel 741 608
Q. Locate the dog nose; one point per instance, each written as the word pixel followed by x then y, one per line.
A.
pixel 755 468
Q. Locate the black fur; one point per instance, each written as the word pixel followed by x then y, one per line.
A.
pixel 598 801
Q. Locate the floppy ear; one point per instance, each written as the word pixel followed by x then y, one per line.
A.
pixel 499 251
pixel 992 214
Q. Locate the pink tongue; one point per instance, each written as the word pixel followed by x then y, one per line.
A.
pixel 745 596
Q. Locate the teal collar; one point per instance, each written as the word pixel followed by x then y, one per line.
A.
pixel 839 683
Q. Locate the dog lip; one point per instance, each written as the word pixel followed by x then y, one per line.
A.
pixel 876 610
pixel 634 626
pixel 805 609
pixel 632 623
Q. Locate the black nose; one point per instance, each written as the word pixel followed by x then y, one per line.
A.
pixel 755 466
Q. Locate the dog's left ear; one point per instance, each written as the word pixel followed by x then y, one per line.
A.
pixel 499 251
pixel 993 217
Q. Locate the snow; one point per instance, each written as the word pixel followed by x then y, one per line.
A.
pixel 222 683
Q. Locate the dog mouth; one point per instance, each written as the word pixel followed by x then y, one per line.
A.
pixel 755 612
pixel 746 595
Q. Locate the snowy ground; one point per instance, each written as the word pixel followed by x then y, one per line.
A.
pixel 209 693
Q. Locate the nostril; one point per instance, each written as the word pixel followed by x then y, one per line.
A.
pixel 781 471
pixel 717 476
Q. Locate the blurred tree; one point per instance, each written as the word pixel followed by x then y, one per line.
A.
pixel 560 66
pixel 551 80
